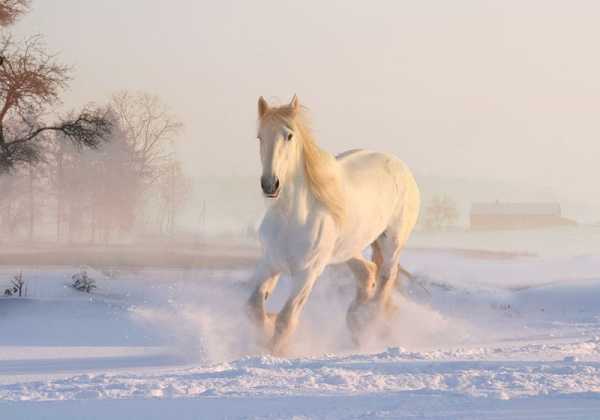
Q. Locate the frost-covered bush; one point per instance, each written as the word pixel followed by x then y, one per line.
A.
pixel 17 286
pixel 83 282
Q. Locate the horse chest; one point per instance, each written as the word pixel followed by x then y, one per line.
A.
pixel 292 245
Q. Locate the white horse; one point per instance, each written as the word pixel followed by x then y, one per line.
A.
pixel 326 210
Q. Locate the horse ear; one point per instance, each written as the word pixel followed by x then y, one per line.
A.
pixel 295 104
pixel 263 107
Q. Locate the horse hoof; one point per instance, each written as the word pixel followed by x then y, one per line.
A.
pixel 264 328
pixel 358 319
pixel 278 349
pixel 390 309
pixel 269 325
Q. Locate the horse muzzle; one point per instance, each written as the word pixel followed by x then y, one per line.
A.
pixel 270 185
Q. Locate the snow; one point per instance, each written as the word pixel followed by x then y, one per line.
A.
pixel 477 335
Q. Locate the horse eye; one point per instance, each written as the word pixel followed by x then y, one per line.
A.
pixel 289 136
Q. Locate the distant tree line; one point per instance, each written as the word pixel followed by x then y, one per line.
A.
pixel 100 195
pixel 440 213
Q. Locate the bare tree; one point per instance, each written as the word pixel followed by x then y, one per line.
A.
pixel 13 209
pixel 116 187
pixel 32 209
pixel 150 130
pixel 441 213
pixel 97 192
pixel 11 10
pixel 56 157
pixel 174 190
pixel 31 81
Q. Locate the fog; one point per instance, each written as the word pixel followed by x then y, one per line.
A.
pixel 132 275
pixel 485 101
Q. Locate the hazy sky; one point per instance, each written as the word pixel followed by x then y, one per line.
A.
pixel 508 90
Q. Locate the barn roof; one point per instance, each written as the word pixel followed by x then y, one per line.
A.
pixel 530 209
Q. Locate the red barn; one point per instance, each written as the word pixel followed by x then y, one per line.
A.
pixel 516 216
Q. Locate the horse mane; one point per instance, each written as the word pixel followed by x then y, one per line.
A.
pixel 319 166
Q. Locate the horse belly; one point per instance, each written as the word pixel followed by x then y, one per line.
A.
pixel 365 223
pixel 372 200
pixel 358 236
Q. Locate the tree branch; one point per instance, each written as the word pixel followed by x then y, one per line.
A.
pixel 89 129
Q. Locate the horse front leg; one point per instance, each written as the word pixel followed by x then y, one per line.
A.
pixel 265 279
pixel 287 319
pixel 360 312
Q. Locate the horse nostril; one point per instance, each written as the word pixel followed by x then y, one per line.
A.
pixel 276 185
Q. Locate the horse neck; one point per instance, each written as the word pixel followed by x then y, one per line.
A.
pixel 296 198
pixel 304 196
pixel 295 191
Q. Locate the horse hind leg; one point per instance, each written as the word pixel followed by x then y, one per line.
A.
pixel 377 257
pixel 359 312
pixel 389 247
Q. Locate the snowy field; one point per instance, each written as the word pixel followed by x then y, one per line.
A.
pixel 478 335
